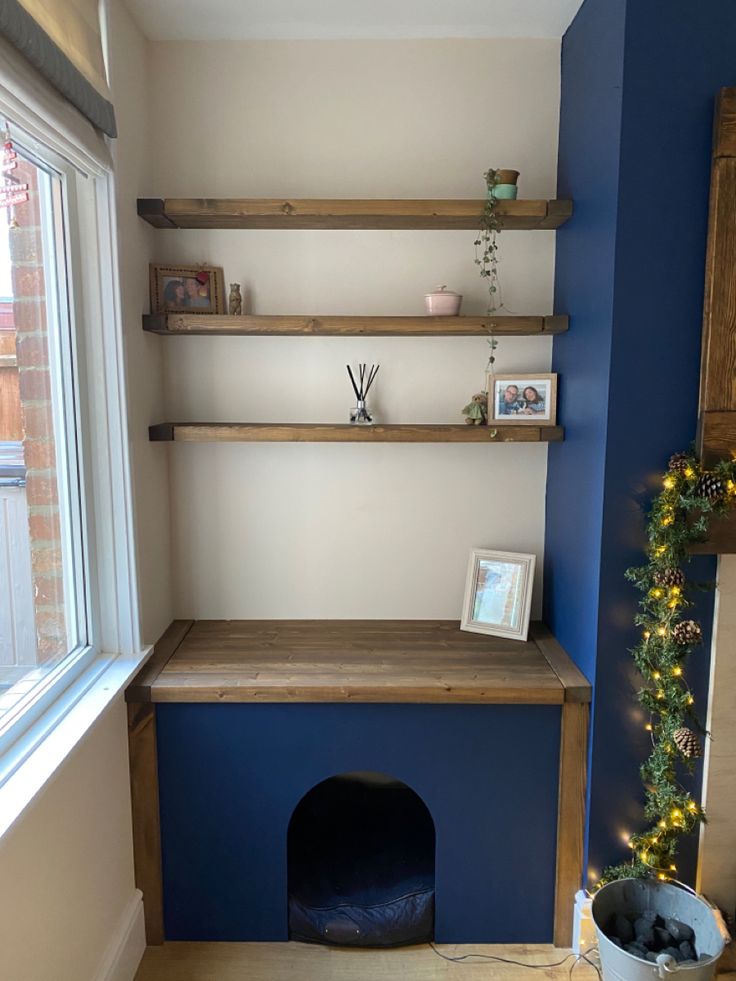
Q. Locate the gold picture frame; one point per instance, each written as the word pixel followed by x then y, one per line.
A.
pixel 187 289
pixel 509 403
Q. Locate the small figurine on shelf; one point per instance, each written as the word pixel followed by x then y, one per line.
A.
pixel 476 411
pixel 235 300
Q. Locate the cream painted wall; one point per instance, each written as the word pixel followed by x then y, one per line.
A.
pixel 66 866
pixel 348 531
pixel 150 473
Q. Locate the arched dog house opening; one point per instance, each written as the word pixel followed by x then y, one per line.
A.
pixel 361 850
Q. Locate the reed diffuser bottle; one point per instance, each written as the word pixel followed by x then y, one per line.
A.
pixel 360 414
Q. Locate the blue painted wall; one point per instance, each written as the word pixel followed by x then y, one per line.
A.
pixel 646 354
pixel 231 775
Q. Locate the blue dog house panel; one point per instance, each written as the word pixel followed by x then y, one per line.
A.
pixel 231 776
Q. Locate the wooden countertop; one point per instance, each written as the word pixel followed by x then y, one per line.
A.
pixel 396 661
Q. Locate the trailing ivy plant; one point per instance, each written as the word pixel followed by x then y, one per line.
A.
pixel 679 516
pixel 486 241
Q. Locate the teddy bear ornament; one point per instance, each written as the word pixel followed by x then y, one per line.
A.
pixel 476 411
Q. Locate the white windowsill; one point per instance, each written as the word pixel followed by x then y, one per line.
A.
pixel 36 756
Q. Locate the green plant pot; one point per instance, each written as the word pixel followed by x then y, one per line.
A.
pixel 503 192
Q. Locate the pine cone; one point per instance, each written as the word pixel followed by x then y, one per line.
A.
pixel 687 632
pixel 669 577
pixel 679 462
pixel 709 487
pixel 687 742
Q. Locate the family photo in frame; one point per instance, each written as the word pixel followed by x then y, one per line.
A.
pixel 187 289
pixel 522 399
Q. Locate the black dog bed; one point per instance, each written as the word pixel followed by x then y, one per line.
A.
pixel 361 864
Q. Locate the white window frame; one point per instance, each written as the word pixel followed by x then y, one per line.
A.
pixel 110 581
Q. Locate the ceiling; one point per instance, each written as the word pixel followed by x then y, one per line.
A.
pixel 217 20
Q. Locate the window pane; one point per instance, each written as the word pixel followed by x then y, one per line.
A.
pixel 42 613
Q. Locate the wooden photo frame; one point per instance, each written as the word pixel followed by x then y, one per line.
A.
pixel 523 399
pixel 187 289
pixel 498 593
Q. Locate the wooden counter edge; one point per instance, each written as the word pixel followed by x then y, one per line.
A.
pixel 139 690
pixel 576 685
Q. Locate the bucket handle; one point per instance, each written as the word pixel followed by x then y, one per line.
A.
pixel 720 922
pixel 667 964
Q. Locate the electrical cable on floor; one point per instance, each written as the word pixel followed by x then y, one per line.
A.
pixel 507 960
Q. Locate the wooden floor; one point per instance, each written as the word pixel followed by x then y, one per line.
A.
pixel 305 962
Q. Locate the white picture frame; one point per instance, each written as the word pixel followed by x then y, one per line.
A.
pixel 498 593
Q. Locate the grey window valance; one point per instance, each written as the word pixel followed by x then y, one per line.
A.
pixel 61 39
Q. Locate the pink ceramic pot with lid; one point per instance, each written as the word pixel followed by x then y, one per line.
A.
pixel 443 302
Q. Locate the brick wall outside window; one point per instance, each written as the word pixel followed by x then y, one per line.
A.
pixel 34 383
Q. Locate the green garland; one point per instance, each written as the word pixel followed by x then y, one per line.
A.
pixel 679 517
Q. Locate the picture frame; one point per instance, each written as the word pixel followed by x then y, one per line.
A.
pixel 510 401
pixel 187 289
pixel 498 593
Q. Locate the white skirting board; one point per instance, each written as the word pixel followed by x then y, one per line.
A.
pixel 583 929
pixel 127 945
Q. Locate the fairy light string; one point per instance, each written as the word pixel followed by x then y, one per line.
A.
pixel 679 517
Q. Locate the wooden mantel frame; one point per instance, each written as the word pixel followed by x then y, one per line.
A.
pixel 716 437
pixel 717 423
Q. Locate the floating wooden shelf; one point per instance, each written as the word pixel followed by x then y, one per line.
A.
pixel 289 326
pixel 344 213
pixel 316 432
pixel 356 661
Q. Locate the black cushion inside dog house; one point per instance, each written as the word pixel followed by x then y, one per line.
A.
pixel 361 864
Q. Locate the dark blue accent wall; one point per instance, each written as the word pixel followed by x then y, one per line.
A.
pixel 231 775
pixel 630 269
pixel 590 126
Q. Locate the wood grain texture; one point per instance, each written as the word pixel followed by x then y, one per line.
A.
pixel 11 413
pixel 139 690
pixel 718 367
pixel 175 324
pixel 145 816
pixel 345 213
pixel 721 537
pixel 152 211
pixel 576 685
pixel 385 661
pixel 716 430
pixel 316 432
pixel 570 816
pixel 724 130
pixel 717 435
pixel 311 962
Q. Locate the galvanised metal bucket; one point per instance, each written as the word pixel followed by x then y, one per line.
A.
pixel 628 896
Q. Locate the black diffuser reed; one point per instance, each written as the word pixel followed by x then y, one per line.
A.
pixel 360 414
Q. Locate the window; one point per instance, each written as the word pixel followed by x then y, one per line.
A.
pixel 44 622
pixel 69 631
